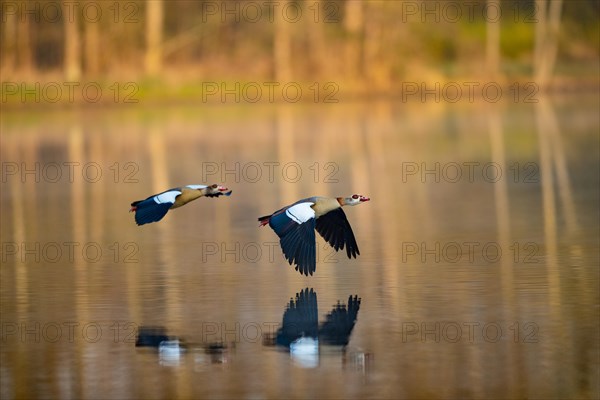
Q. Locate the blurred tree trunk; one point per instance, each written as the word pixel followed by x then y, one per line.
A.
pixel 92 47
pixel 9 43
pixel 24 49
pixel 546 39
pixel 540 30
pixel 493 41
pixel 316 37
pixel 372 46
pixel 154 24
pixel 353 24
pixel 282 47
pixel 376 64
pixel 72 66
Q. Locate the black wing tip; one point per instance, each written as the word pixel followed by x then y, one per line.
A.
pixel 304 269
pixel 140 223
pixel 354 253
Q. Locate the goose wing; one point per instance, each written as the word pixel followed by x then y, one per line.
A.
pixel 337 328
pixel 154 208
pixel 335 229
pixel 295 227
pixel 300 318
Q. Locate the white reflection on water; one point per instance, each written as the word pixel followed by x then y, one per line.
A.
pixel 540 295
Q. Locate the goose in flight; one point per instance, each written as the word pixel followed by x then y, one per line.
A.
pixel 295 225
pixel 155 207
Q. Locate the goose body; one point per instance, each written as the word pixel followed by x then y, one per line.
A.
pixel 296 224
pixel 155 207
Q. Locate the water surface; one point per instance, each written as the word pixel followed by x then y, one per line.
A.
pixel 478 273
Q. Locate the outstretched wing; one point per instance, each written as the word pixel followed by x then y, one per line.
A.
pixel 154 208
pixel 296 230
pixel 300 318
pixel 335 229
pixel 337 328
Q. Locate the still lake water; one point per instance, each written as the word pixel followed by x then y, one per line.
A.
pixel 478 273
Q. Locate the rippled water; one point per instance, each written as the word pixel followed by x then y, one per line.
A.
pixel 478 273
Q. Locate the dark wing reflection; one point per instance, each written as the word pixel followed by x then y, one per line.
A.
pixel 301 336
pixel 151 336
pixel 338 325
pixel 301 319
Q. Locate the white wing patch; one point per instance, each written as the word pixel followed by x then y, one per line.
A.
pixel 301 213
pixel 167 197
pixel 305 351
pixel 305 345
pixel 196 187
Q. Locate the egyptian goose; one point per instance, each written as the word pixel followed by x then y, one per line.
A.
pixel 155 207
pixel 295 225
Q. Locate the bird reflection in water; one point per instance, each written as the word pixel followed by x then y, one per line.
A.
pixel 302 336
pixel 151 336
pixel 219 352
pixel 171 349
